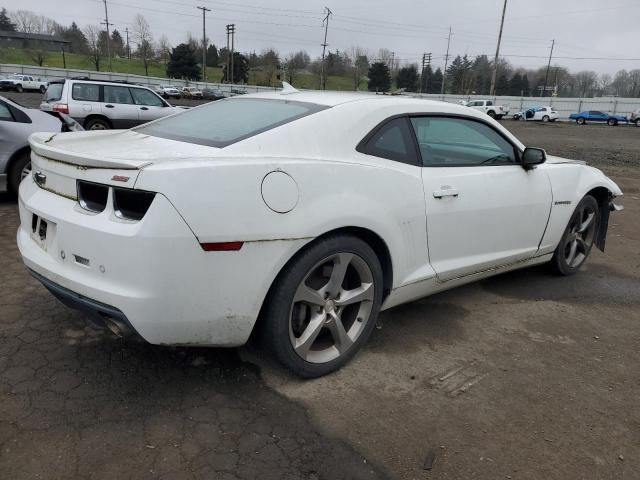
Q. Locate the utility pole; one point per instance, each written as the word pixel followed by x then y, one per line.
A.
pixel 446 61
pixel 204 43
pixel 426 62
pixel 126 30
pixel 393 58
pixel 323 72
pixel 106 22
pixel 546 77
pixel 495 61
pixel 233 36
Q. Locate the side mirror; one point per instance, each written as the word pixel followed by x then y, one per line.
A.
pixel 532 157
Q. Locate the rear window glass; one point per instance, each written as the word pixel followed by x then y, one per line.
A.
pixel 54 92
pixel 224 122
pixel 89 92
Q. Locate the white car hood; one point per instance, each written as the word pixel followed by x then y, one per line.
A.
pixel 120 149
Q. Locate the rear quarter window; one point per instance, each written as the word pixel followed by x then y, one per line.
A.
pixel 224 122
pixel 88 92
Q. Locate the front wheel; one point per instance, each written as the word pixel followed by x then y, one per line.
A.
pixel 578 238
pixel 19 170
pixel 491 113
pixel 19 88
pixel 43 89
pixel 638 122
pixel 580 121
pixel 545 118
pixel 612 122
pixel 324 305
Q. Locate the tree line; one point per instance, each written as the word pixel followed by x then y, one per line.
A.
pixel 366 69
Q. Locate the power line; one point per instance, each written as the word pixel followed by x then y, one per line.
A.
pixel 204 42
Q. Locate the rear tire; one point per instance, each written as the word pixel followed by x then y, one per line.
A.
pixel 43 89
pixel 638 122
pixel 97 124
pixel 19 88
pixel 323 305
pixel 612 122
pixel 491 113
pixel 20 169
pixel 578 238
pixel 545 118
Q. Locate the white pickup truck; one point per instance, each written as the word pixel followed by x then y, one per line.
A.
pixel 488 107
pixel 20 83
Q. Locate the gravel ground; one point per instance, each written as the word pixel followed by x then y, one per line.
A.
pixel 523 376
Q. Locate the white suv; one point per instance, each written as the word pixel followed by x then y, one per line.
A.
pixel 99 105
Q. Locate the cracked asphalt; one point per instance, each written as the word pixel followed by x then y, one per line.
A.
pixel 523 376
pixel 77 402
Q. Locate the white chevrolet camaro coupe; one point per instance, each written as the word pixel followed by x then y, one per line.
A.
pixel 300 214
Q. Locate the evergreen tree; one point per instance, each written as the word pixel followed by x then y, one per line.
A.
pixel 212 56
pixel 482 72
pixel 408 78
pixel 427 79
pixel 117 44
pixel 502 85
pixel 240 69
pixel 515 85
pixel 459 75
pixel 435 85
pixel 77 38
pixel 379 77
pixel 5 22
pixel 183 63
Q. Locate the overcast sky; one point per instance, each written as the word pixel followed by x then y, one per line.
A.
pixel 581 28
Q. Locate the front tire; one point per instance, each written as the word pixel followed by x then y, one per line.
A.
pixel 324 305
pixel 612 122
pixel 638 122
pixel 545 118
pixel 43 89
pixel 19 88
pixel 578 238
pixel 491 113
pixel 580 121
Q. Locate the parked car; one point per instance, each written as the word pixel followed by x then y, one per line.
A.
pixel 191 92
pixel 488 107
pixel 543 114
pixel 19 83
pixel 16 124
pixel 167 91
pixel 212 93
pixel 193 228
pixel 597 116
pixel 635 117
pixel 99 105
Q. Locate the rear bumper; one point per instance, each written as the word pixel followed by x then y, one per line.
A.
pixel 151 275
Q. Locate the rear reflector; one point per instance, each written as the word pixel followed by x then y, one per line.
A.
pixel 221 247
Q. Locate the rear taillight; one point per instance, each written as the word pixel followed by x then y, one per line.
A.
pixel 61 108
pixel 92 196
pixel 131 204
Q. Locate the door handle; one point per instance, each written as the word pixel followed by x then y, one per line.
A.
pixel 446 192
pixel 108 105
pixel 144 108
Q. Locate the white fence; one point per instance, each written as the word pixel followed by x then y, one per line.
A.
pixel 564 106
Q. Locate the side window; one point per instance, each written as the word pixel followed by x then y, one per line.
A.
pixel 473 104
pixel 88 92
pixel 392 141
pixel 145 97
pixel 5 113
pixel 455 142
pixel 114 94
pixel 489 103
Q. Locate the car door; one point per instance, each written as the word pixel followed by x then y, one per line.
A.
pixel 483 209
pixel 119 106
pixel 149 105
pixel 85 100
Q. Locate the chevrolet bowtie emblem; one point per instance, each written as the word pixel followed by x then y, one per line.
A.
pixel 40 178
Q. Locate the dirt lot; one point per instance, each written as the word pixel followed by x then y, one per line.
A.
pixel 523 376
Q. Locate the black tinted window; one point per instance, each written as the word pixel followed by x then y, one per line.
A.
pixel 393 141
pixel 460 142
pixel 222 123
pixel 88 92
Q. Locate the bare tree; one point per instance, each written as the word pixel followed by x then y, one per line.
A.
pixel 605 83
pixel 144 38
pixel 164 49
pixel 360 65
pixel 92 34
pixel 586 82
pixel 30 22
pixel 269 61
pixel 38 53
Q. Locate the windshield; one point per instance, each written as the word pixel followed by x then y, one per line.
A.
pixel 54 92
pixel 224 122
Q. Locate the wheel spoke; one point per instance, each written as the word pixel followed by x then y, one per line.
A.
pixel 308 295
pixel 361 294
pixel 305 341
pixel 572 252
pixel 339 334
pixel 581 245
pixel 585 224
pixel 340 264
